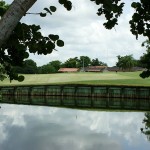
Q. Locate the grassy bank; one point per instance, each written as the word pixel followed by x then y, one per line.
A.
pixel 111 78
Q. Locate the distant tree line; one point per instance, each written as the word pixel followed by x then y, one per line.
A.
pixel 30 67
pixel 125 63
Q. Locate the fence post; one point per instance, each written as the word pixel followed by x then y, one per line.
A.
pixel 45 94
pixel 149 93
pixel 107 92
pixel 30 91
pixel 92 96
pixel 138 93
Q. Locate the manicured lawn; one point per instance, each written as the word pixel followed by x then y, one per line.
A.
pixel 111 78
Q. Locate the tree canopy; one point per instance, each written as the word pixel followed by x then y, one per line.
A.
pixel 51 67
pixel 28 67
pixel 96 62
pixel 126 62
pixel 25 39
pixel 19 39
pixel 82 61
pixel 145 60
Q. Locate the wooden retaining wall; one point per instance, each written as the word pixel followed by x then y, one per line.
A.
pixel 79 91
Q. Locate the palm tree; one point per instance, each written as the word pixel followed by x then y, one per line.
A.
pixel 126 63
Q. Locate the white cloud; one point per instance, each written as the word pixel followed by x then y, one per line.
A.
pixel 84 34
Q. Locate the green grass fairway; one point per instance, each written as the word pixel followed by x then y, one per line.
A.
pixel 108 78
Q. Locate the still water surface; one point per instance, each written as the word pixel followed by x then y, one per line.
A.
pixel 52 128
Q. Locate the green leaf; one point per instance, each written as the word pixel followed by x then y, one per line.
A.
pixel 15 76
pixel 43 14
pixel 134 5
pixel 49 51
pixel 53 37
pixel 68 5
pixel 46 9
pixel 52 8
pixel 62 1
pixel 136 17
pixel 60 43
pixel 98 2
pixel 33 47
pixel 26 55
pixel 20 78
pixel 50 45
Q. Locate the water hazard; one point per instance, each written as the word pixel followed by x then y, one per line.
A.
pixel 24 127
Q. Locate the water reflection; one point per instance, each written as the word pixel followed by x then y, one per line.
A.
pixel 44 128
pixel 146 129
pixel 80 102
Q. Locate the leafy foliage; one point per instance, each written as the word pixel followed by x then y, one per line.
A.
pixel 3 7
pixel 56 64
pixel 25 39
pixel 112 9
pixel 145 60
pixel 45 69
pixel 48 10
pixel 140 23
pixel 126 62
pixel 67 4
pixel 71 63
pixel 2 73
pixel 96 62
pixel 77 62
pixel 82 61
pixel 51 67
pixel 28 67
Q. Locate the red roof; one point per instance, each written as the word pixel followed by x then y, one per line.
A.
pixel 97 67
pixel 68 69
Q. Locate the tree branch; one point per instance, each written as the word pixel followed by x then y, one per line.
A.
pixel 8 22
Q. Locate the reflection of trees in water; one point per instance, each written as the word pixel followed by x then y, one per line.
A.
pixel 146 121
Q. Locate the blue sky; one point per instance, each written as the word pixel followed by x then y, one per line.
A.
pixel 84 34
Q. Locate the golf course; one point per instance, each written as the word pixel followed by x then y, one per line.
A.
pixel 106 78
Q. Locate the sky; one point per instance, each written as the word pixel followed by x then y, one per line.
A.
pixel 84 34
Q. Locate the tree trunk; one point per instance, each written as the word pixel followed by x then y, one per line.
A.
pixel 8 22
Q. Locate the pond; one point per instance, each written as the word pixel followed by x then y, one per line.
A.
pixel 24 127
